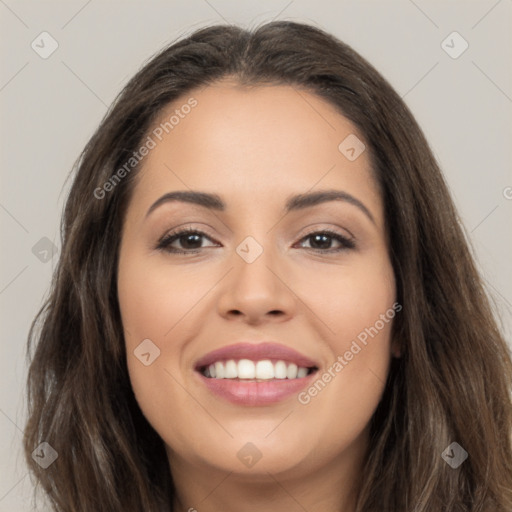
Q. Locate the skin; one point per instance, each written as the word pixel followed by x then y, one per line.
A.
pixel 255 147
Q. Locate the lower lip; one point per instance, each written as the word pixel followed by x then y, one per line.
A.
pixel 255 393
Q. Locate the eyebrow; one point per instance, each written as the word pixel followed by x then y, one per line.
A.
pixel 293 203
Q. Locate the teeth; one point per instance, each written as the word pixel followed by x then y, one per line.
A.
pixel 231 370
pixel 246 369
pixel 261 370
pixel 280 370
pixel 219 370
pixel 291 371
pixel 302 372
pixel 264 369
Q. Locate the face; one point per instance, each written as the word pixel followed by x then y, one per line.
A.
pixel 312 277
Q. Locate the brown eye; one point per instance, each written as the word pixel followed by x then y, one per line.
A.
pixel 189 240
pixel 322 241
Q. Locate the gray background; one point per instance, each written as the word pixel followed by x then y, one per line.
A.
pixel 50 107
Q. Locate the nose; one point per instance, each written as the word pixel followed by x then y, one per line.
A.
pixel 257 292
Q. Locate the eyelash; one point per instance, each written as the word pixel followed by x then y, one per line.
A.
pixel 165 242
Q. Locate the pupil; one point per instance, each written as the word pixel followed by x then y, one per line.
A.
pixel 187 238
pixel 325 244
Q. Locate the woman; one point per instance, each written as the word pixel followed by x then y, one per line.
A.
pixel 265 299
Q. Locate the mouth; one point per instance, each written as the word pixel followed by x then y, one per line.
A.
pixel 250 374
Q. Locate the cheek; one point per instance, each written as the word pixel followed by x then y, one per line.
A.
pixel 357 309
pixel 349 299
pixel 146 316
pixel 153 299
pixel 156 304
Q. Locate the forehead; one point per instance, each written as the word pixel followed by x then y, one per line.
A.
pixel 253 144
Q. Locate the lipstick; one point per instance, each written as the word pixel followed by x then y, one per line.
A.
pixel 255 374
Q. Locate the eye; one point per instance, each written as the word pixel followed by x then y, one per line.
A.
pixel 190 240
pixel 321 241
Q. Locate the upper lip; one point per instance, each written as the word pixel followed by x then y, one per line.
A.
pixel 256 352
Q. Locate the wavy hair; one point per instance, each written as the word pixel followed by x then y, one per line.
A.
pixel 451 383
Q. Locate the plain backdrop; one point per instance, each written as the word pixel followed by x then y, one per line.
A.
pixel 51 106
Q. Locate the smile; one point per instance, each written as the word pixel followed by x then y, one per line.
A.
pixel 253 374
pixel 261 370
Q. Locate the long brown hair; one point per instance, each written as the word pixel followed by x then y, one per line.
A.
pixel 452 382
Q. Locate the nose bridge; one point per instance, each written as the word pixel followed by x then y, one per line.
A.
pixel 253 260
pixel 256 285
